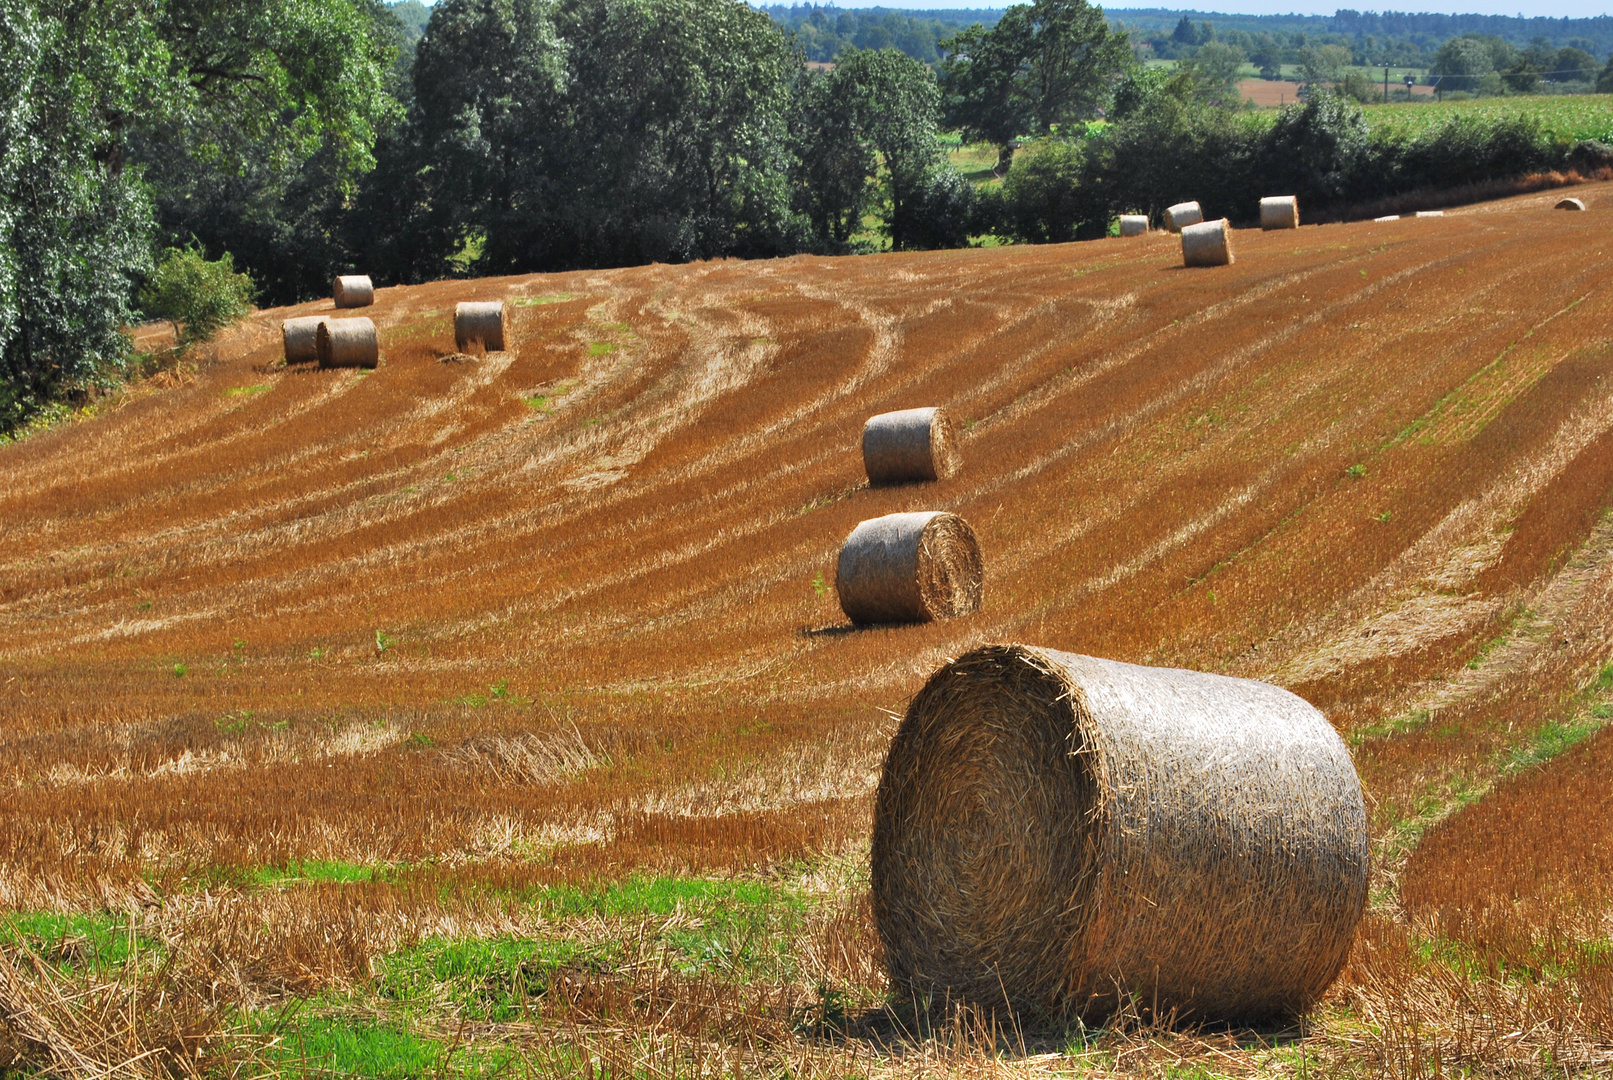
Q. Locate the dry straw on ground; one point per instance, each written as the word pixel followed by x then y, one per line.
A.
pixel 1133 224
pixel 480 323
pixel 1072 835
pixel 909 568
pixel 1571 204
pixel 347 343
pixel 1279 212
pixel 1208 243
pixel 300 337
pixel 910 445
pixel 1182 215
pixel 353 290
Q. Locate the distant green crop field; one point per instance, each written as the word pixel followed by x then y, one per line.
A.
pixel 1575 116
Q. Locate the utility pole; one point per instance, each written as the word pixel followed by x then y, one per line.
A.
pixel 1386 82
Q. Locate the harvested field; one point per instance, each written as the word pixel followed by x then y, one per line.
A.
pixel 310 678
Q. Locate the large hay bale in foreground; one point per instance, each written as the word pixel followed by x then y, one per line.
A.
pixel 480 322
pixel 299 338
pixel 1182 215
pixel 909 568
pixel 1133 224
pixel 1065 833
pixel 909 445
pixel 347 343
pixel 352 290
pixel 1570 204
pixel 1279 212
pixel 1208 243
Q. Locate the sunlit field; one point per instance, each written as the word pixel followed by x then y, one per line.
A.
pixel 496 713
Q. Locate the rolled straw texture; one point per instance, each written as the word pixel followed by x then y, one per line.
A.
pixel 1182 215
pixel 1133 224
pixel 480 322
pixel 1062 832
pixel 300 338
pixel 1570 204
pixel 909 568
pixel 1279 212
pixel 913 444
pixel 347 343
pixel 1430 213
pixel 353 290
pixel 1208 243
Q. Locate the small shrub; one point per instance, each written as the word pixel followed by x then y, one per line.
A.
pixel 941 213
pixel 1041 198
pixel 201 297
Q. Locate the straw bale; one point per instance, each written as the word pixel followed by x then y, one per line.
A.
pixel 1279 212
pixel 1182 215
pixel 347 343
pixel 1570 204
pixel 482 322
pixel 299 337
pixel 912 444
pixel 1066 833
pixel 1208 243
pixel 909 568
pixel 353 290
pixel 1133 224
pixel 1430 213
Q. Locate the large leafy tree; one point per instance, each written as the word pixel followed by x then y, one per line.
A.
pixel 872 119
pixel 1044 64
pixel 74 221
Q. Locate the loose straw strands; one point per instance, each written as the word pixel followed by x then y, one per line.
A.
pixel 1074 835
pixel 909 568
pixel 910 445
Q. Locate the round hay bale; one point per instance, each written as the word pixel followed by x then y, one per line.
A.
pixel 912 444
pixel 1133 224
pixel 347 343
pixel 299 336
pixel 1208 243
pixel 1182 215
pixel 480 322
pixel 1430 213
pixel 1388 217
pixel 1067 833
pixel 1279 212
pixel 909 568
pixel 353 290
pixel 1570 204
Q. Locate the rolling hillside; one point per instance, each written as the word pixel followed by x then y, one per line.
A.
pixel 490 626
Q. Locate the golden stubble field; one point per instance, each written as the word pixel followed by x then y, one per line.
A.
pixel 564 617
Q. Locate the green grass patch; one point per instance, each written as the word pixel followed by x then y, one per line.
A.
pixel 305 872
pixel 95 940
pixel 534 301
pixel 1551 739
pixel 1566 116
pixel 601 348
pixel 247 391
pixel 347 1046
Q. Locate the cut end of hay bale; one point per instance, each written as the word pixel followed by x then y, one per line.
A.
pixel 1279 212
pixel 1133 224
pixel 481 324
pixel 904 568
pixel 1065 833
pixel 910 445
pixel 1182 215
pixel 347 343
pixel 299 337
pixel 1570 204
pixel 1208 243
pixel 1430 213
pixel 352 290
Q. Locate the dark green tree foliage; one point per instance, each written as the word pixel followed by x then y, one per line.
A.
pixel 286 101
pixel 74 222
pixel 1044 65
pixel 1047 193
pixel 874 116
pixel 1166 147
pixel 1316 152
